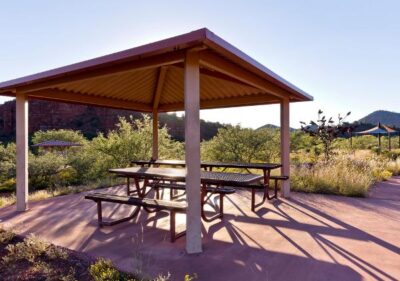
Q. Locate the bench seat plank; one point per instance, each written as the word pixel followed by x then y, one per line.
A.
pixel 172 206
pixel 136 201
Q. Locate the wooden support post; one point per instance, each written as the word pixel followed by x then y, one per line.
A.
pixel 192 151
pixel 285 147
pixel 379 142
pixel 155 135
pixel 390 142
pixel 156 100
pixel 22 151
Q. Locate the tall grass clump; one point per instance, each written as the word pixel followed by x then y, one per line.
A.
pixel 341 176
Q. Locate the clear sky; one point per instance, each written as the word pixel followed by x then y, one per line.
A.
pixel 344 53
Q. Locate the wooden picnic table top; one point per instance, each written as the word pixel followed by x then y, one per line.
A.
pixel 182 163
pixel 217 178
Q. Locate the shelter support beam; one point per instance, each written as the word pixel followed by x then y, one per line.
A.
pixel 285 146
pixel 156 99
pixel 155 135
pixel 192 151
pixel 140 64
pixel 22 151
pixel 80 98
pixel 225 67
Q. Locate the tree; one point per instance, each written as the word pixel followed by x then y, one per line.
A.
pixel 61 135
pixel 237 144
pixel 132 140
pixel 326 131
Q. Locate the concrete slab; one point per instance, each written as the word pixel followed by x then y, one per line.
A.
pixel 306 237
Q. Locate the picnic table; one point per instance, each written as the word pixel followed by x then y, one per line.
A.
pixel 209 165
pixel 211 182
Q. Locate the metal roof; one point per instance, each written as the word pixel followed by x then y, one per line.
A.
pixel 56 143
pixel 378 130
pixel 151 76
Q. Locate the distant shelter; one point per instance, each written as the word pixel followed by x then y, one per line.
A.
pixel 56 146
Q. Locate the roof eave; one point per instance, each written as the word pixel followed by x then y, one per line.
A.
pixel 163 46
pixel 197 37
pixel 220 45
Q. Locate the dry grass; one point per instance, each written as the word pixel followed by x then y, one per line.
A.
pixel 45 193
pixel 346 174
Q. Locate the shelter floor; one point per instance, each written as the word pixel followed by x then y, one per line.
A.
pixel 306 237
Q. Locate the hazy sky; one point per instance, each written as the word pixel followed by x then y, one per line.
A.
pixel 344 53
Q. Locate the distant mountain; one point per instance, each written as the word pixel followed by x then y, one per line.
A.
pixel 271 126
pixel 385 117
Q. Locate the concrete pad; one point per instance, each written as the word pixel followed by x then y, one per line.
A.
pixel 306 237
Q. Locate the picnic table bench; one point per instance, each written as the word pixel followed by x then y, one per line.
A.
pixel 206 193
pixel 157 205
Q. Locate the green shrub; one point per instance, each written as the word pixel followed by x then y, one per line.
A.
pixel 132 140
pixel 8 185
pixel 381 175
pixel 7 162
pixel 43 170
pixel 237 144
pixel 104 270
pixel 393 154
pixel 30 249
pixel 61 135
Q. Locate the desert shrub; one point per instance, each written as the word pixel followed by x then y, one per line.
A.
pixel 7 164
pixel 6 236
pixel 237 144
pixel 7 200
pixel 299 140
pixel 132 140
pixel 349 175
pixel 8 185
pixel 393 154
pixel 44 170
pixel 364 142
pixel 325 131
pixel 104 270
pixel 394 167
pixel 381 175
pixel 61 134
pixel 30 249
pixel 189 277
pixel 340 175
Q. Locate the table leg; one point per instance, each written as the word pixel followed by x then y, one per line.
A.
pixel 128 191
pixel 138 190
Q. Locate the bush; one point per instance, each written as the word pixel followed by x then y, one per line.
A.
pixel 132 140
pixel 7 162
pixel 61 135
pixel 393 154
pixel 394 167
pixel 104 270
pixel 237 144
pixel 341 175
pixel 6 236
pixel 8 185
pixel 29 250
pixel 44 170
